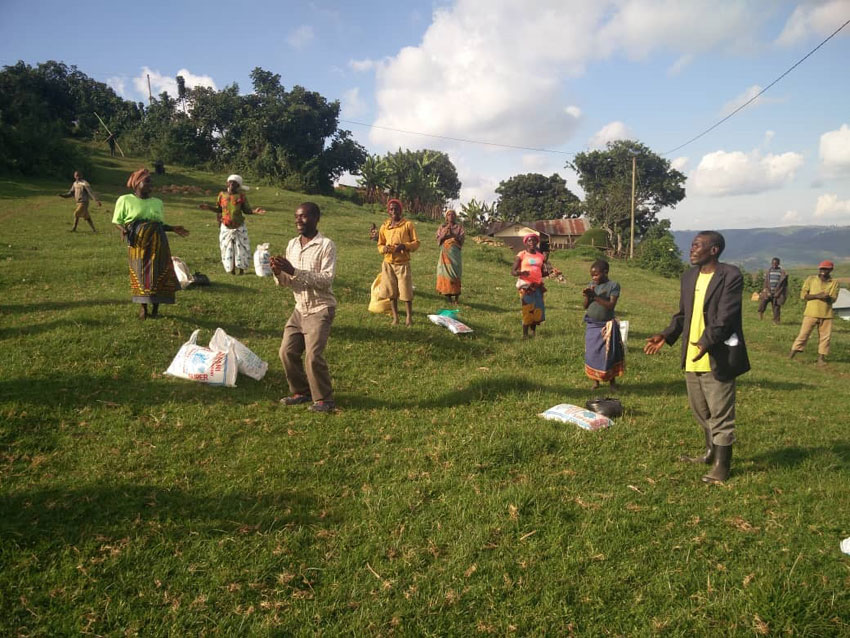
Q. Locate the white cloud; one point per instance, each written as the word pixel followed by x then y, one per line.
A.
pixel 352 104
pixel 737 173
pixel 609 133
pixel 573 111
pixel 362 65
pixel 507 65
pixel 534 162
pixel 768 138
pixel 835 151
pixel 745 97
pixel 679 163
pixel 815 17
pixel 118 84
pixel 790 217
pixel 679 65
pixel 829 206
pixel 160 82
pixel 300 37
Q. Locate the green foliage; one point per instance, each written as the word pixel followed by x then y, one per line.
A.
pixel 44 105
pixel 476 215
pixel 658 251
pixel 596 237
pixel 606 178
pixel 533 196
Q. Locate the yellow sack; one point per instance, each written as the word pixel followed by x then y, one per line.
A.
pixel 376 304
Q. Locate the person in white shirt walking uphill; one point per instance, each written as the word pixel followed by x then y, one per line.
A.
pixel 308 268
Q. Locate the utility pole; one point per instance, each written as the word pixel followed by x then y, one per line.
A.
pixel 632 238
pixel 150 95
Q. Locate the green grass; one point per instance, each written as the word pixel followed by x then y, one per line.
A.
pixel 436 502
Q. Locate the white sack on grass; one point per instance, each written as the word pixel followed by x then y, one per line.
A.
pixel 624 331
pixel 585 419
pixel 197 363
pixel 247 362
pixel 184 276
pixel 262 261
pixel 455 326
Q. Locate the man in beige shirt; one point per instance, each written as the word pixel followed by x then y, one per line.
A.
pixel 308 268
pixel 82 192
pixel 819 292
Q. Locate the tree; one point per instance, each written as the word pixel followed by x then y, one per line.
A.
pixel 534 196
pixel 606 178
pixel 425 180
pixel 477 214
pixel 373 178
pixel 658 251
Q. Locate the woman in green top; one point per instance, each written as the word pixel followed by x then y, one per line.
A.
pixel 140 219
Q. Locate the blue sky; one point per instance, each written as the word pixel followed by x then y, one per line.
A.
pixel 565 75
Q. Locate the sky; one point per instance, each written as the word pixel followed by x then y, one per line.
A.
pixel 555 77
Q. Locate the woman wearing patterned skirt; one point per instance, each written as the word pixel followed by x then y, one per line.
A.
pixel 450 237
pixel 231 208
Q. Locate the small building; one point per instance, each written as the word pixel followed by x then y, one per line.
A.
pixel 841 307
pixel 560 233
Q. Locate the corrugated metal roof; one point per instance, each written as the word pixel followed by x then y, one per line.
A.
pixel 562 227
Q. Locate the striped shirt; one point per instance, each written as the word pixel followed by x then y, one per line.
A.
pixel 315 266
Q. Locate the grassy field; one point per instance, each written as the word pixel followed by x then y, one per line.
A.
pixel 436 502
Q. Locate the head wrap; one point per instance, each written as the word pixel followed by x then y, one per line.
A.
pixel 826 264
pixel 397 201
pixel 235 178
pixel 450 210
pixel 136 178
pixel 531 235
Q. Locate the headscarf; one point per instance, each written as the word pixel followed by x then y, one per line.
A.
pixel 235 178
pixel 531 235
pixel 397 201
pixel 450 210
pixel 136 178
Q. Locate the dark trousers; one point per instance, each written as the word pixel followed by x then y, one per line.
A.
pixel 307 336
pixel 770 299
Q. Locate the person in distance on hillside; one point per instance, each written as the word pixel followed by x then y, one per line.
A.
pixel 775 290
pixel 231 208
pixel 713 348
pixel 140 219
pixel 530 267
pixel 396 240
pixel 604 355
pixel 450 238
pixel 819 292
pixel 82 193
pixel 308 268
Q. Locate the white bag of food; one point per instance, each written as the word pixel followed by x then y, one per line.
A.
pixel 196 363
pixel 246 361
pixel 184 276
pixel 262 261
pixel 454 326
pixel 585 419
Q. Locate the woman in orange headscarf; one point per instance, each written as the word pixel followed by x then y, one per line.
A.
pixel 140 218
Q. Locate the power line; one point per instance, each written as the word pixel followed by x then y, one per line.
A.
pixel 458 139
pixel 757 95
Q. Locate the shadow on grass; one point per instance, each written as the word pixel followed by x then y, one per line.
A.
pixel 835 456
pixel 29 330
pixel 59 305
pixel 74 515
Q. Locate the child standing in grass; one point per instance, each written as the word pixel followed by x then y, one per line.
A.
pixel 82 193
pixel 604 355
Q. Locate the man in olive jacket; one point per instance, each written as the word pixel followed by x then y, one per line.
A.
pixel 709 321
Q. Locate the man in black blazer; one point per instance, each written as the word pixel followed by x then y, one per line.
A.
pixel 709 321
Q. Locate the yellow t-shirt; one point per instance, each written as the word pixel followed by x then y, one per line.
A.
pixel 698 326
pixel 817 308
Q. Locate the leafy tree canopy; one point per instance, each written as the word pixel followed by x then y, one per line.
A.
pixel 606 178
pixel 534 196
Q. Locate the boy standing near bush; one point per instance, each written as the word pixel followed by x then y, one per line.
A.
pixel 82 192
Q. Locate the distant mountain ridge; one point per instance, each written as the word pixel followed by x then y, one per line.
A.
pixel 753 248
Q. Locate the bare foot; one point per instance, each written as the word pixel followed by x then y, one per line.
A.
pixel 394 322
pixel 408 322
pixel 595 385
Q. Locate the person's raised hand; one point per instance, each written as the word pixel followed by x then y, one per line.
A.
pixel 259 211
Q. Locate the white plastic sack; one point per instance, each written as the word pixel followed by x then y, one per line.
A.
pixel 624 331
pixel 197 363
pixel 262 261
pixel 455 326
pixel 184 277
pixel 585 419
pixel 247 362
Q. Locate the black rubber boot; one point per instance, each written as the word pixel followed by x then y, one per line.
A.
pixel 722 462
pixel 706 458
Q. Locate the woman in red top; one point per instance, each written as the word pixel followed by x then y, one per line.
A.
pixel 231 208
pixel 530 267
